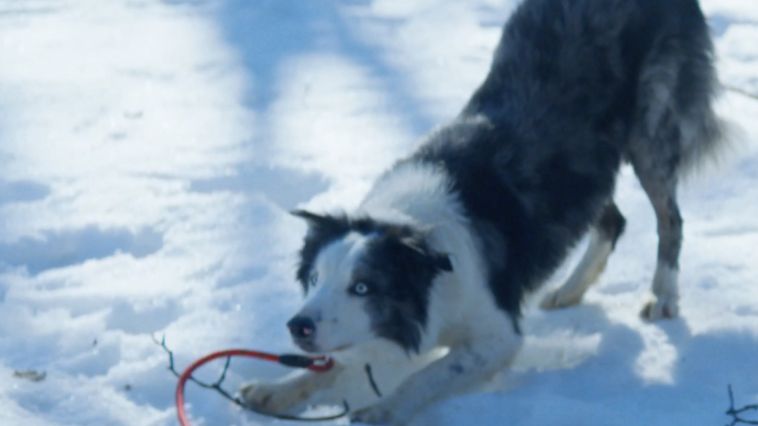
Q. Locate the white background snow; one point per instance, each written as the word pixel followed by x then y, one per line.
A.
pixel 150 150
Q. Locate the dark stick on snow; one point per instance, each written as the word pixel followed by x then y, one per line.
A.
pixel 372 381
pixel 218 387
pixel 215 386
pixel 736 413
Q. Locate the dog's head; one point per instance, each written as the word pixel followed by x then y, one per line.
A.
pixel 363 280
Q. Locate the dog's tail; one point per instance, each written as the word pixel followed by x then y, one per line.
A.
pixel 708 143
pixel 707 139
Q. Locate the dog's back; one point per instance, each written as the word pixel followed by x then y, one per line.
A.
pixel 603 65
pixel 575 88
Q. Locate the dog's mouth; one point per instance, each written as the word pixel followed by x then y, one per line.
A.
pixel 310 347
pixel 307 346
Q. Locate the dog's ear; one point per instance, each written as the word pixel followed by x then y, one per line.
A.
pixel 440 261
pixel 311 218
pixel 319 221
pixel 323 226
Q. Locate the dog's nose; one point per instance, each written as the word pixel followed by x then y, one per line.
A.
pixel 302 327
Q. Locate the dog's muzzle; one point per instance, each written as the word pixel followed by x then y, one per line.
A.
pixel 303 331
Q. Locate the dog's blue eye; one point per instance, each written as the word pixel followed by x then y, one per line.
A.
pixel 360 289
pixel 313 279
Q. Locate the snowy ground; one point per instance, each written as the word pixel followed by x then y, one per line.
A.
pixel 149 152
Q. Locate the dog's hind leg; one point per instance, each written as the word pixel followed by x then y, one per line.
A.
pixel 603 236
pixel 660 186
pixel 676 128
pixel 656 153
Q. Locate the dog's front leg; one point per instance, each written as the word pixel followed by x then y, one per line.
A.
pixel 464 367
pixel 293 392
pixel 360 377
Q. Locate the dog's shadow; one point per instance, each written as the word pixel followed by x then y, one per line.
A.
pixel 580 367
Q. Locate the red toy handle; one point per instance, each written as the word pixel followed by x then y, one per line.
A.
pixel 317 364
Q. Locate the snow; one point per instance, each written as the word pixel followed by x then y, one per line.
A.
pixel 150 151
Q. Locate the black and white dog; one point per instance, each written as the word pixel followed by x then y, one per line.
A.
pixel 418 293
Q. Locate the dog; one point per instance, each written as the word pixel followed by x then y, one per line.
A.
pixel 418 293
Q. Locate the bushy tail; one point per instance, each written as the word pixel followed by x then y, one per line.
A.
pixel 709 142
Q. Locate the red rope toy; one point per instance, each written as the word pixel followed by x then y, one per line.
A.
pixel 317 364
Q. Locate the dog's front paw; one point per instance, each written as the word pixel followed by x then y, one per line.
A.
pixel 661 308
pixel 386 414
pixel 270 398
pixel 559 299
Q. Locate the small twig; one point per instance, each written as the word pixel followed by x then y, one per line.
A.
pixel 371 380
pixel 737 412
pixel 31 375
pixel 218 387
pixel 223 372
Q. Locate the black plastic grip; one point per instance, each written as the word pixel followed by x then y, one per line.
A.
pixel 296 361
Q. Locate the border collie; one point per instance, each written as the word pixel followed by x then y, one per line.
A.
pixel 418 293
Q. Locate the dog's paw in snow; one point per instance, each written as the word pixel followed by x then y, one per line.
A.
pixel 665 303
pixel 272 398
pixel 559 299
pixel 660 308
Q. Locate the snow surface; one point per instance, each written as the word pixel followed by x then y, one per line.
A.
pixel 149 152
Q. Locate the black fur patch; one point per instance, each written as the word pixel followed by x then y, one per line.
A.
pixel 611 223
pixel 398 266
pixel 401 273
